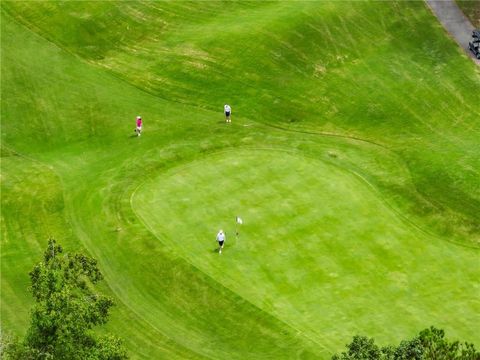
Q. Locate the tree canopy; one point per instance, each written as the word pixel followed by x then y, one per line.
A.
pixel 66 310
pixel 429 344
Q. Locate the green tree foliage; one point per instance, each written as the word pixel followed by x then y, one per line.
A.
pixel 363 348
pixel 430 344
pixel 66 310
pixel 435 346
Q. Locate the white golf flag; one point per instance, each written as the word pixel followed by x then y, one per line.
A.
pixel 239 220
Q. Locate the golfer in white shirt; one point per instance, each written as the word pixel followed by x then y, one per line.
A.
pixel 221 240
pixel 228 112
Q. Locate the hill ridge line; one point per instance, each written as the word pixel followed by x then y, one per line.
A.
pixel 30 28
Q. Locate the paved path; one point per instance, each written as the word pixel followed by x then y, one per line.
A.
pixel 453 19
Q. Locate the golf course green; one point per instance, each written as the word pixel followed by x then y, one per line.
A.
pixel 353 159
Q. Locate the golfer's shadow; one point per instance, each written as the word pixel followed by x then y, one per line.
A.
pixel 215 250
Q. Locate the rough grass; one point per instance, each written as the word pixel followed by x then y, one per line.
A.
pixel 471 8
pixel 377 84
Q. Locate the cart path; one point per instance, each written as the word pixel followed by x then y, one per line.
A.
pixel 454 21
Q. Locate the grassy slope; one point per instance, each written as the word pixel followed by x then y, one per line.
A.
pixel 149 304
pixel 471 8
pixel 295 258
pixel 303 65
pixel 390 86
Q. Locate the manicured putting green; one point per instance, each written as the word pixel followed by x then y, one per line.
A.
pixel 319 249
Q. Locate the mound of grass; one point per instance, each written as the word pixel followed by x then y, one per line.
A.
pixel 317 66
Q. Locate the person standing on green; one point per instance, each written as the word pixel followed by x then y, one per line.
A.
pixel 221 240
pixel 228 112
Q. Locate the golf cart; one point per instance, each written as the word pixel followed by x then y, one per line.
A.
pixel 474 45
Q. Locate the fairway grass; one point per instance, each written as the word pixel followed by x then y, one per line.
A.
pixel 353 158
pixel 312 234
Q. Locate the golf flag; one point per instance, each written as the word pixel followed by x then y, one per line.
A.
pixel 239 220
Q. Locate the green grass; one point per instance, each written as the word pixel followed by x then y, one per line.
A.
pixel 471 9
pixel 378 258
pixel 353 158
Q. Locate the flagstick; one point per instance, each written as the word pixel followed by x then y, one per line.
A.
pixel 236 229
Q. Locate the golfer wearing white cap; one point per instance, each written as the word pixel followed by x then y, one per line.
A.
pixel 221 240
pixel 228 112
